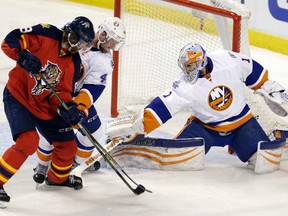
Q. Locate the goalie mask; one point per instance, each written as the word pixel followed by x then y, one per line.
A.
pixel 115 32
pixel 192 60
pixel 79 34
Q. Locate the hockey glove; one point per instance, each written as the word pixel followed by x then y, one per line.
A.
pixel 275 96
pixel 73 115
pixel 125 128
pixel 29 62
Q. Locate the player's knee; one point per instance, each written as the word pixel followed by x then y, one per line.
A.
pixel 65 150
pixel 27 142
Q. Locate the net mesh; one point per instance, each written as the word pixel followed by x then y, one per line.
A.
pixel 157 30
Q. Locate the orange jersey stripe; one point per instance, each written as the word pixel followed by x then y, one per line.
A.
pixel 149 121
pixel 229 127
pixel 84 154
pixel 42 157
pixel 262 81
pixel 84 98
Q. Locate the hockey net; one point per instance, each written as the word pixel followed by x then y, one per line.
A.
pixel 157 30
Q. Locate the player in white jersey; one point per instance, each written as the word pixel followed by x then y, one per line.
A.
pixel 97 64
pixel 211 86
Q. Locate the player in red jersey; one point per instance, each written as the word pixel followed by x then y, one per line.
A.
pixel 98 64
pixel 30 104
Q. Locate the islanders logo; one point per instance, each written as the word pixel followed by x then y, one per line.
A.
pixel 220 98
pixel 52 73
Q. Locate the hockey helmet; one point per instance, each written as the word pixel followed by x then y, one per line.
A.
pixel 192 59
pixel 115 32
pixel 80 33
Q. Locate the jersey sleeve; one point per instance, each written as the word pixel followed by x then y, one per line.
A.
pixel 257 77
pixel 164 106
pixel 13 43
pixel 26 38
pixel 94 83
pixel 253 73
pixel 89 94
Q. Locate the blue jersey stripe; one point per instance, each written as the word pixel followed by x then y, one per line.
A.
pixel 95 90
pixel 160 109
pixel 255 75
pixel 245 110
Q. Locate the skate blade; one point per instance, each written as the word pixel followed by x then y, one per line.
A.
pixel 3 204
pixel 37 185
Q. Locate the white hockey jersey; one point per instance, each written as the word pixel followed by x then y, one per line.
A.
pixel 216 100
pixel 97 66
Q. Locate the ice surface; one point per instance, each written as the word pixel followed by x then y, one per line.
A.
pixel 226 187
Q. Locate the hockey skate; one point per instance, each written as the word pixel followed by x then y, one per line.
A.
pixel 40 173
pixel 72 182
pixel 4 198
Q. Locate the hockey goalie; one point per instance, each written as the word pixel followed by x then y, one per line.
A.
pixel 210 85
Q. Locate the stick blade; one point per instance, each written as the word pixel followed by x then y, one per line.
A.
pixel 139 190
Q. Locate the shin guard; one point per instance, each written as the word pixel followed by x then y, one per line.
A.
pixel 268 156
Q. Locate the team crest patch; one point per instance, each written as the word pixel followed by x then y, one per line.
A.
pixel 220 98
pixel 52 73
pixel 176 84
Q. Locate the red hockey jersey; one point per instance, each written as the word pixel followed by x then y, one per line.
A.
pixel 60 67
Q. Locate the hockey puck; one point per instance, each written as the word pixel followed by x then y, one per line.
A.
pixel 140 189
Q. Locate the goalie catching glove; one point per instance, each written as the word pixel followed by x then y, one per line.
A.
pixel 275 96
pixel 125 128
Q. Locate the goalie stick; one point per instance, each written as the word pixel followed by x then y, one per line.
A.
pixel 109 159
pixel 96 156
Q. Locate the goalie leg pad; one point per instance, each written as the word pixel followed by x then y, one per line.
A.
pixel 285 148
pixel 162 154
pixel 268 155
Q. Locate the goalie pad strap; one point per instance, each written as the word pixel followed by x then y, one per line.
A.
pixel 279 142
pixel 168 143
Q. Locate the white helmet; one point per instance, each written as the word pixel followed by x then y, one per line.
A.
pixel 192 60
pixel 114 29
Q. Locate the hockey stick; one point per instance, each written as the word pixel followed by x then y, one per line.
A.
pixel 96 156
pixel 109 159
pixel 113 164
